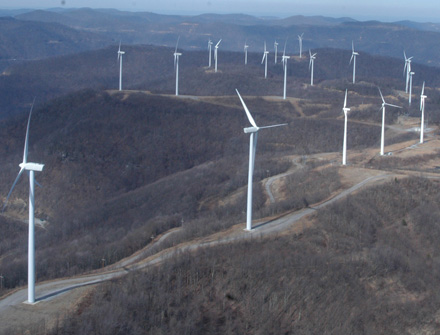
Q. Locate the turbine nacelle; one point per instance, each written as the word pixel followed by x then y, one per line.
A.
pixel 249 130
pixel 31 166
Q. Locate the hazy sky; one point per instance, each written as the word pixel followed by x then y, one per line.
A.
pixel 385 10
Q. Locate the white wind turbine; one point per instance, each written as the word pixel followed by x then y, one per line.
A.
pixel 344 148
pixel 120 53
pixel 407 69
pixel 216 54
pixel 276 50
pixel 311 64
pixel 176 65
pixel 353 58
pixel 266 52
pixel 209 49
pixel 422 109
pixel 382 138
pixel 30 168
pixel 245 52
pixel 410 87
pixel 253 131
pixel 284 61
pixel 300 40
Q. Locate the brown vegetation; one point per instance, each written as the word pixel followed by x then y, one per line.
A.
pixel 369 266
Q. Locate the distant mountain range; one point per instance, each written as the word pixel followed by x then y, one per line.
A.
pixel 104 27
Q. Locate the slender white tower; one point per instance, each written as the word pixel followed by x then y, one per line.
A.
pixel 344 148
pixel 407 70
pixel 284 61
pixel 353 58
pixel 253 131
pixel 209 49
pixel 264 60
pixel 410 87
pixel 276 50
pixel 216 54
pixel 245 52
pixel 31 167
pixel 311 65
pixel 382 138
pixel 300 40
pixel 176 66
pixel 422 110
pixel 120 53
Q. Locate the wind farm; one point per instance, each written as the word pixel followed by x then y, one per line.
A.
pixel 155 198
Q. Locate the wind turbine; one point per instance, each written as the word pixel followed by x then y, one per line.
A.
pixel 407 69
pixel 176 65
pixel 382 138
pixel 209 48
pixel 120 53
pixel 245 52
pixel 422 109
pixel 265 60
pixel 410 87
pixel 276 50
pixel 216 54
pixel 253 131
pixel 344 148
pixel 30 168
pixel 311 64
pixel 284 61
pixel 353 58
pixel 300 39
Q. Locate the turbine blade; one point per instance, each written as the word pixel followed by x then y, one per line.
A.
pixel 345 100
pixel 423 88
pixel 218 43
pixel 12 188
pixel 251 119
pixel 26 142
pixel 352 46
pixel 351 59
pixel 275 125
pixel 178 38
pixel 383 100
pixel 392 105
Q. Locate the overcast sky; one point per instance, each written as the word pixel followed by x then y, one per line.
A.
pixel 384 10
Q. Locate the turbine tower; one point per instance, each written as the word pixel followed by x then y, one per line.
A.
pixel 311 64
pixel 276 50
pixel 410 87
pixel 300 40
pixel 216 54
pixel 209 49
pixel 176 66
pixel 120 53
pixel 284 61
pixel 344 148
pixel 422 109
pixel 407 70
pixel 30 168
pixel 353 58
pixel 382 138
pixel 253 131
pixel 264 60
pixel 245 52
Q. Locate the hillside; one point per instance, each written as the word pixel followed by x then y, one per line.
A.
pixel 151 68
pixel 27 40
pixel 385 39
pixel 120 167
pixel 369 264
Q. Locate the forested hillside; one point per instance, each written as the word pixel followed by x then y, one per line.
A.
pixel 369 265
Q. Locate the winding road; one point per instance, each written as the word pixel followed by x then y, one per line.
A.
pixel 14 304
